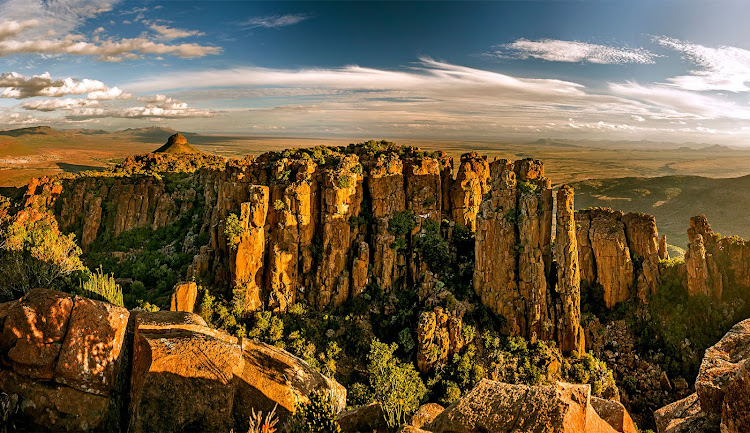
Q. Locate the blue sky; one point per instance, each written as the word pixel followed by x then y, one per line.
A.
pixel 657 70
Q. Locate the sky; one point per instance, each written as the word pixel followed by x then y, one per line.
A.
pixel 655 70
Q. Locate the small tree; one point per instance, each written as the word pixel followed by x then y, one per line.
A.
pixel 397 385
pixel 233 230
pixel 316 416
pixel 103 287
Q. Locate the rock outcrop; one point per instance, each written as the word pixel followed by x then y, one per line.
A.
pixel 64 356
pixel 619 252
pixel 66 359
pixel 184 296
pixel 714 262
pixel 500 407
pixel 721 395
pixel 570 335
pixel 439 337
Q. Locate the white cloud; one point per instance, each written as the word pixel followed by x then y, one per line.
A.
pixel 637 118
pixel 109 94
pixel 723 68
pixel 554 50
pixel 674 103
pixel 58 104
pixel 156 107
pixel 275 21
pixel 169 33
pixel 12 28
pixel 19 86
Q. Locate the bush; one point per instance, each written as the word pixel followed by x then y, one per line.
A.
pixel 316 416
pixel 527 187
pixel 233 230
pixel 397 385
pixel 103 287
pixel 402 223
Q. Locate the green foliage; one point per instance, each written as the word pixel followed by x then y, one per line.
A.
pixel 513 216
pixel 103 287
pixel 35 254
pixel 396 384
pixel 527 188
pixel 588 369
pixel 359 394
pixel 434 248
pixel 344 181
pixel 402 223
pixel 316 416
pixel 278 205
pixel 233 229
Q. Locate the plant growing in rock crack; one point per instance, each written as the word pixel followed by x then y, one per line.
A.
pixel 233 230
pixel 261 424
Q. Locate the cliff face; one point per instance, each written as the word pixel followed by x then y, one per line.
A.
pixel 513 272
pixel 618 251
pixel 323 224
pixel 715 263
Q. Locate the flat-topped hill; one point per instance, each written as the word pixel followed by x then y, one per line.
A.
pixel 177 143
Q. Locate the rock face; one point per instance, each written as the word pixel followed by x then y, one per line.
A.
pixel 183 297
pixel 469 188
pixel 273 376
pixel 721 389
pixel 500 407
pixel 246 261
pixel 513 272
pixel 439 337
pixel 619 252
pixel 714 262
pixel 64 356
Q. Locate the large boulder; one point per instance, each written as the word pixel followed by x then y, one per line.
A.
pixel 500 407
pixel 34 330
pixel 615 414
pixel 368 418
pixel 272 376
pixel 182 375
pixel 735 413
pixel 720 365
pixel 425 415
pixel 92 351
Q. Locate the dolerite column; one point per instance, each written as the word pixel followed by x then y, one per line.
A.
pixel 248 258
pixel 569 333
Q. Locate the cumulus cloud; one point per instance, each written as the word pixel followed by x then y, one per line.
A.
pixel 12 28
pixel 275 21
pixel 554 50
pixel 19 86
pixel 722 68
pixel 58 104
pixel 156 107
pixel 169 33
pixel 49 28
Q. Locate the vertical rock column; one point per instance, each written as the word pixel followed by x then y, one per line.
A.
pixel 703 272
pixel 570 336
pixel 246 263
pixel 386 187
pixel 534 231
pixel 614 267
pixel 495 266
pixel 469 188
pixel 342 197
pixel 643 241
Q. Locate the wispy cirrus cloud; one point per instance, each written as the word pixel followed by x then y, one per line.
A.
pixel 275 21
pixel 554 50
pixel 723 68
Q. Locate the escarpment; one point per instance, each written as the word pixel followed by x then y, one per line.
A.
pixel 323 224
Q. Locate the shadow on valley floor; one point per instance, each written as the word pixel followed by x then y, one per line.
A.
pixel 77 168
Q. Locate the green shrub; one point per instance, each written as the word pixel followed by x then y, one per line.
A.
pixel 103 287
pixel 402 223
pixel 233 229
pixel 278 204
pixel 527 187
pixel 316 416
pixel 344 181
pixel 397 385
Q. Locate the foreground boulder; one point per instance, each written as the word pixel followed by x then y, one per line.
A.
pixel 63 357
pixel 500 407
pixel 272 376
pixel 722 390
pixel 182 376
